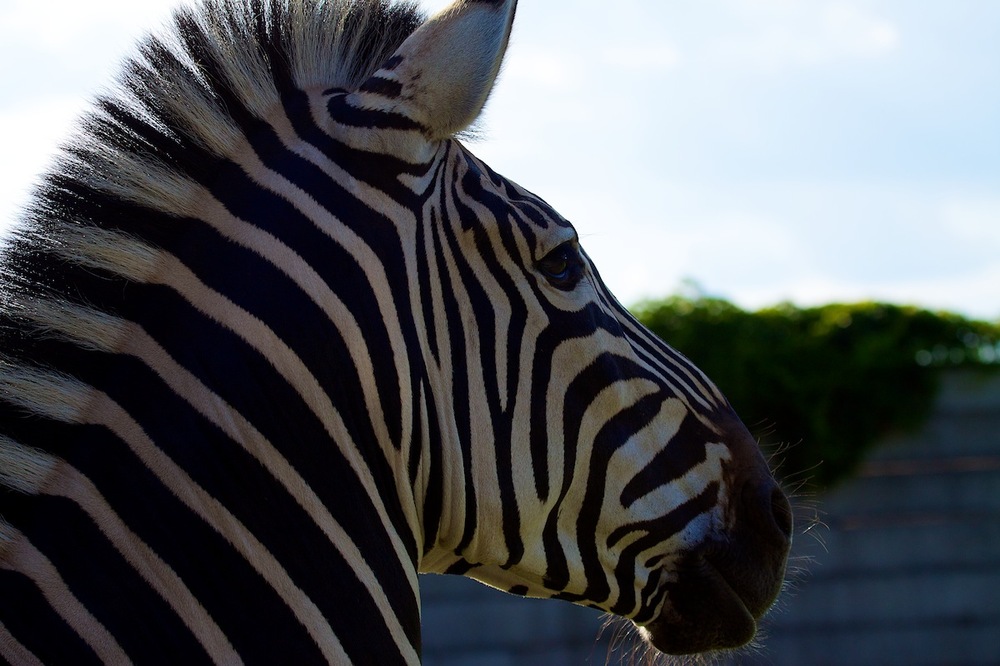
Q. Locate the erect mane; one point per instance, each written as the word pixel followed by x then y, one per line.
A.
pixel 129 176
pixel 188 95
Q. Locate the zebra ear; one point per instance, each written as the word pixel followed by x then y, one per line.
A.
pixel 441 76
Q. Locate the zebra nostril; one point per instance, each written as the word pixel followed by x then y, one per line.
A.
pixel 781 511
pixel 768 509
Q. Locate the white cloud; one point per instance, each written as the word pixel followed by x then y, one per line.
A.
pixel 642 56
pixel 807 243
pixel 975 220
pixel 853 31
pixel 550 69
pixel 805 33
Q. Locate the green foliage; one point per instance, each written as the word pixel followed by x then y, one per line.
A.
pixel 829 381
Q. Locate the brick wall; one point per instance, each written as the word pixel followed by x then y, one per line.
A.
pixel 905 571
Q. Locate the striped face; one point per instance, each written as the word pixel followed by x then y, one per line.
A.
pixel 583 458
pixel 579 456
pixel 599 450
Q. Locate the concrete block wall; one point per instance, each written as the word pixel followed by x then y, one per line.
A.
pixel 468 624
pixel 906 569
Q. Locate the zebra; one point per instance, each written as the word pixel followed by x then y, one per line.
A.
pixel 273 341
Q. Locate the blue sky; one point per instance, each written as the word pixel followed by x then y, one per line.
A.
pixel 767 150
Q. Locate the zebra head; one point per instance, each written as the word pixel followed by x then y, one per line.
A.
pixel 272 340
pixel 575 455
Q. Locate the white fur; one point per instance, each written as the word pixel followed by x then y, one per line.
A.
pixel 22 468
pixel 87 327
pixel 43 392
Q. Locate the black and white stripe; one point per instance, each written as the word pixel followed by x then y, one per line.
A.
pixel 273 341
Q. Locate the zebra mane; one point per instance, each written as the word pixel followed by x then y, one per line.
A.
pixel 140 158
pixel 181 103
pixel 188 95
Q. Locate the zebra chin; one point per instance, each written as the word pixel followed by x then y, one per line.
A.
pixel 705 612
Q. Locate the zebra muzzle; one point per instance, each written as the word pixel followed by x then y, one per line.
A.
pixel 727 584
pixel 705 610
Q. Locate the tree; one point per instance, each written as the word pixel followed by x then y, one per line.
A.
pixel 823 384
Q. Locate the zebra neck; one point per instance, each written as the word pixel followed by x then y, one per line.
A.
pixel 205 429
pixel 201 472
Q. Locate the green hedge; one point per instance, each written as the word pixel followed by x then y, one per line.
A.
pixel 823 384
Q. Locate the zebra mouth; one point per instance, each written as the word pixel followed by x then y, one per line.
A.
pixel 705 610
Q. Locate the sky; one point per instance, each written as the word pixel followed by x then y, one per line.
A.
pixel 757 150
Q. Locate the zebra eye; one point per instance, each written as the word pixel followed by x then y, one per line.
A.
pixel 563 266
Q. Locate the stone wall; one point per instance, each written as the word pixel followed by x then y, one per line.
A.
pixel 903 569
